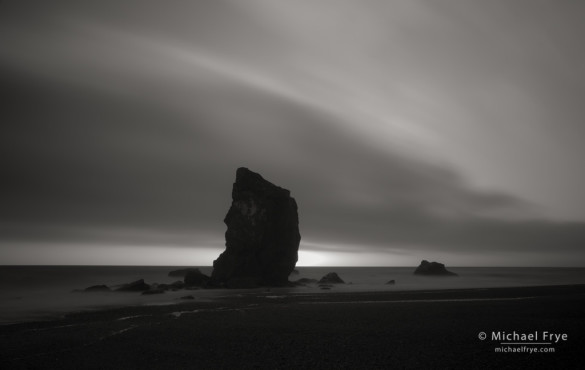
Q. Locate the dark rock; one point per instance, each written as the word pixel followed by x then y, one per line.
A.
pixel 97 288
pixel 194 277
pixel 187 297
pixel 331 278
pixel 433 269
pixel 135 286
pixel 182 272
pixel 262 237
pixel 391 282
pixel 295 272
pixel 173 286
pixel 153 291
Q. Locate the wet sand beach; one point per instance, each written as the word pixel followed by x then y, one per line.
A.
pixel 275 330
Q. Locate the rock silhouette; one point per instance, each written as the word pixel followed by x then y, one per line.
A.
pixel 433 269
pixel 135 286
pixel 331 278
pixel 262 237
pixel 177 285
pixel 194 277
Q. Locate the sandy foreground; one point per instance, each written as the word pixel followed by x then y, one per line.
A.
pixel 269 330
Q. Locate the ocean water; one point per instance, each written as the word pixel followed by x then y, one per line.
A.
pixel 44 292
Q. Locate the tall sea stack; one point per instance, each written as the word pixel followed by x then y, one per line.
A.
pixel 262 237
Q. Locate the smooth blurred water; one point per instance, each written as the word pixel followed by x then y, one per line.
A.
pixel 374 278
pixel 39 292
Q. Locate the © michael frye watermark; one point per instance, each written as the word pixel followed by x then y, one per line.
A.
pixel 530 342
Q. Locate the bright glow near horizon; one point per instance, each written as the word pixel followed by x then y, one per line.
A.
pixel 320 258
pixel 134 255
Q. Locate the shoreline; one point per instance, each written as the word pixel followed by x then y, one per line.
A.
pixel 33 293
pixel 433 329
pixel 300 295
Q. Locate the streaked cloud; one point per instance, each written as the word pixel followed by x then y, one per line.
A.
pixel 402 128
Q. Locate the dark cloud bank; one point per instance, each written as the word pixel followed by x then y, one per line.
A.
pixel 145 161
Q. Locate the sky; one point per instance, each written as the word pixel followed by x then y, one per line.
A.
pixel 445 130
